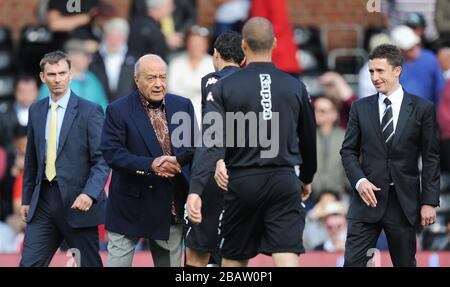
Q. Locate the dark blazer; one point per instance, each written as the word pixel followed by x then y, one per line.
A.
pixel 126 84
pixel 139 202
pixel 80 167
pixel 364 154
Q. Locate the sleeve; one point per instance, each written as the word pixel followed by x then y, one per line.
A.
pixel 30 166
pixel 307 139
pixel 351 149
pixel 113 146
pixel 99 169
pixel 430 158
pixel 205 158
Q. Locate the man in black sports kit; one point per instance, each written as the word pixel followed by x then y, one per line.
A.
pixel 202 239
pixel 262 210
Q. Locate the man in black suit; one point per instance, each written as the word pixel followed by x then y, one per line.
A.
pixel 387 134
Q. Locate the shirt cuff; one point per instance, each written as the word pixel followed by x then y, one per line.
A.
pixel 359 182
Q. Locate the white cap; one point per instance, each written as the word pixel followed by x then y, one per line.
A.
pixel 404 37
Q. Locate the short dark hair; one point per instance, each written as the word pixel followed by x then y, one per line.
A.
pixel 53 58
pixel 228 45
pixel 391 53
pixel 24 78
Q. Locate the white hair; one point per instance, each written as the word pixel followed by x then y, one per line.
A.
pixel 117 24
pixel 155 3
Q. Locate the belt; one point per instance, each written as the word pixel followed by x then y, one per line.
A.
pixel 49 183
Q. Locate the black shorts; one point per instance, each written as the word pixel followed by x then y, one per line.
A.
pixel 263 213
pixel 205 236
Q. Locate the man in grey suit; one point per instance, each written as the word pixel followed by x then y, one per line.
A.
pixel 65 174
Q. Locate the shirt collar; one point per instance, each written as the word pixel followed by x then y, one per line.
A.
pixel 152 106
pixel 63 102
pixel 395 97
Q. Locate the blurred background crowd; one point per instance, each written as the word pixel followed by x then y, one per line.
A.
pixel 323 42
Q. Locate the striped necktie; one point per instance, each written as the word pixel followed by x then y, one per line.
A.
pixel 387 123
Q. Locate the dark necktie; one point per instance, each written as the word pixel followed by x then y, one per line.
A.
pixel 387 123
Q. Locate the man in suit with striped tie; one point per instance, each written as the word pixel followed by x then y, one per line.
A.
pixel 386 136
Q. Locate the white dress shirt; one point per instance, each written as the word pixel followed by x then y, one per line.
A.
pixel 396 99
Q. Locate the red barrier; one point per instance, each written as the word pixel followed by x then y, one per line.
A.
pixel 310 259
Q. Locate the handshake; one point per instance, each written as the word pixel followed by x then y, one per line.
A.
pixel 166 166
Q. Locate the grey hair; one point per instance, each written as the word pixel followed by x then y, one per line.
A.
pixel 155 3
pixel 117 24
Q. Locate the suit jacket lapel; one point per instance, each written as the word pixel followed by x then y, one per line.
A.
pixel 145 127
pixel 374 113
pixel 69 116
pixel 403 117
pixel 42 112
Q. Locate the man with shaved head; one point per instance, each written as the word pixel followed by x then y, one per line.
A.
pixel 150 175
pixel 263 210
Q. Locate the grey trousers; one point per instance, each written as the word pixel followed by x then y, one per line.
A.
pixel 165 253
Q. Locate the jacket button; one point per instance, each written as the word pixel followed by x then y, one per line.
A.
pixel 150 187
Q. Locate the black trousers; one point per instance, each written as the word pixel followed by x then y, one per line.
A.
pixel 400 234
pixel 45 233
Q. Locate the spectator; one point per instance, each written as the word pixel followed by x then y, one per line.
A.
pixel 114 62
pixel 421 74
pixel 315 232
pixel 84 82
pixel 230 15
pixel 443 117
pixel 145 30
pixel 336 88
pixel 416 21
pixel 65 22
pixel 187 69
pixel 396 11
pixel 336 225
pixel 444 61
pixel 9 241
pixel 284 55
pixel 20 143
pixel 442 14
pixel 176 25
pixel 330 175
pixel 26 92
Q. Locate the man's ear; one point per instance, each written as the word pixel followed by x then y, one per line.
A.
pixel 275 43
pixel 398 71
pixel 136 80
pixel 244 45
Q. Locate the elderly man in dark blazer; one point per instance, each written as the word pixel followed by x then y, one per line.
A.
pixel 65 173
pixel 150 176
